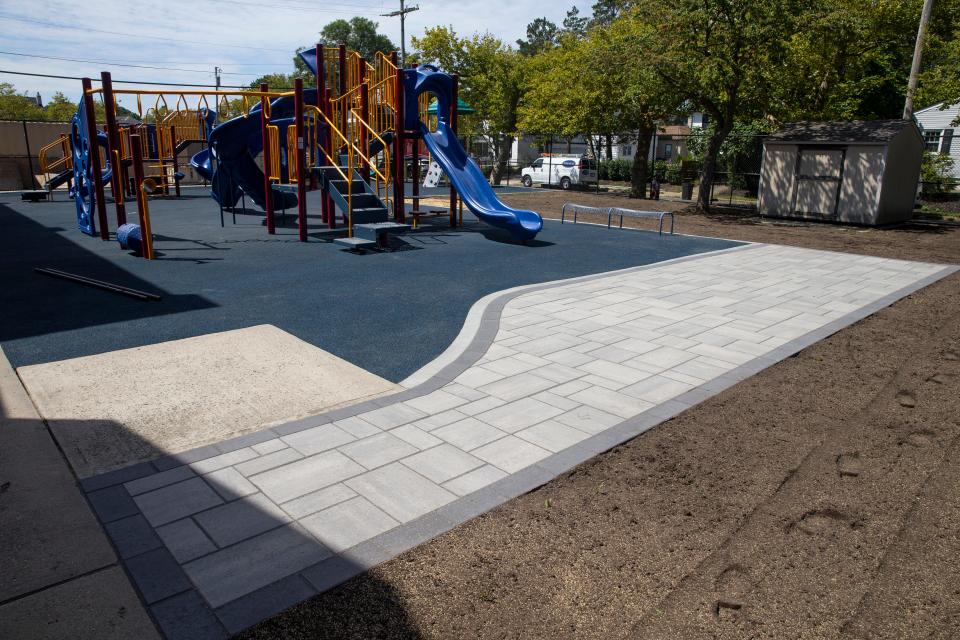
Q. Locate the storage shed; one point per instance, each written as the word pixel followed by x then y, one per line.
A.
pixel 861 172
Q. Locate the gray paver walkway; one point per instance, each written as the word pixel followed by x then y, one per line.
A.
pixel 547 377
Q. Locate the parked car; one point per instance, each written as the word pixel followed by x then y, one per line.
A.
pixel 564 170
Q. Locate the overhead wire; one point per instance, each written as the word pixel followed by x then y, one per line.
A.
pixel 116 64
pixel 159 84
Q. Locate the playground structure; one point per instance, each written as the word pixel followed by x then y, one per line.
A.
pixel 347 137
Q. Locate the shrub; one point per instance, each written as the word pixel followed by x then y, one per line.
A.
pixel 936 174
pixel 672 173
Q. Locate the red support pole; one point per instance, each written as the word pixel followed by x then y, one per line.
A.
pixel 267 158
pixel 399 211
pixel 453 133
pixel 137 152
pixel 331 212
pixel 416 174
pixel 95 160
pixel 301 165
pixel 113 140
pixel 323 103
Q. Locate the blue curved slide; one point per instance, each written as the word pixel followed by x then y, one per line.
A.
pixel 465 176
pixel 235 145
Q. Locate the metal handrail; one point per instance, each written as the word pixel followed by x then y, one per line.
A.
pixel 66 159
pixel 611 211
pixel 273 136
pixel 371 163
pixel 630 213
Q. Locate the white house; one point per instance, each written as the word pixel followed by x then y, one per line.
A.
pixel 936 124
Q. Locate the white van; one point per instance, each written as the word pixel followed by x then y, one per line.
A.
pixel 563 170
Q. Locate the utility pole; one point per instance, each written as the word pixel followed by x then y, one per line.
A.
pixel 403 16
pixel 216 74
pixel 917 54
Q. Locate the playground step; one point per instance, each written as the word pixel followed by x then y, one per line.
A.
pixel 378 230
pixel 369 215
pixel 354 244
pixel 366 205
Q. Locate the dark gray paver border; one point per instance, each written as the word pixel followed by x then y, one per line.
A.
pixel 269 600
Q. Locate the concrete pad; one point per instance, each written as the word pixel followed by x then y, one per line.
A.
pixel 48 533
pixel 98 606
pixel 113 409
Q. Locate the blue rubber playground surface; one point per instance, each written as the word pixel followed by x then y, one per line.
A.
pixel 387 312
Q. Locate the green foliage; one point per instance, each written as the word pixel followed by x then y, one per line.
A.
pixel 280 81
pixel 59 109
pixel 667 172
pixel 618 169
pixel 16 106
pixel 606 11
pixel 848 59
pixel 493 80
pixel 574 25
pixel 936 173
pixel 359 34
pixel 940 80
pixel 542 34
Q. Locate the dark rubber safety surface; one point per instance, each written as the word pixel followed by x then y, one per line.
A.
pixel 388 312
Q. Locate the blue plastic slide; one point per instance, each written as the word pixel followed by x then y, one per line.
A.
pixel 235 145
pixel 465 176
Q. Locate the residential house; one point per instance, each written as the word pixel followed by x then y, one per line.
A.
pixel 936 124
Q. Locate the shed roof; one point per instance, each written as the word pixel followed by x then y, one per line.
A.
pixel 859 131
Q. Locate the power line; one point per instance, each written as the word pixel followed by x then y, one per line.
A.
pixel 159 84
pixel 46 23
pixel 114 64
pixel 343 7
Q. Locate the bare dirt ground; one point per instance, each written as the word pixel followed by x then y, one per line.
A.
pixel 818 499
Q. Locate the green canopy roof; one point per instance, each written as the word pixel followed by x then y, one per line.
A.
pixel 462 107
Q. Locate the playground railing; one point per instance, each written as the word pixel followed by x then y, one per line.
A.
pixel 381 177
pixel 273 135
pixel 347 142
pixel 49 164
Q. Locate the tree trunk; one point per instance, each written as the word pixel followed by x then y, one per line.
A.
pixel 593 147
pixel 503 157
pixel 640 171
pixel 710 163
pixel 609 146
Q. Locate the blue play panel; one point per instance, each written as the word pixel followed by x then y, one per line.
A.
pixel 389 313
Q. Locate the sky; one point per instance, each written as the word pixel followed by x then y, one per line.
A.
pixel 245 38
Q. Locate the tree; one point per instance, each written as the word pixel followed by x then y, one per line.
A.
pixel 849 61
pixel 721 55
pixel 574 25
pixel 606 11
pixel 492 81
pixel 59 109
pixel 359 34
pixel 616 96
pixel 541 35
pixel 278 81
pixel 15 106
pixel 940 80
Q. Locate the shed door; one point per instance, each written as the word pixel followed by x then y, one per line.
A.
pixel 818 178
